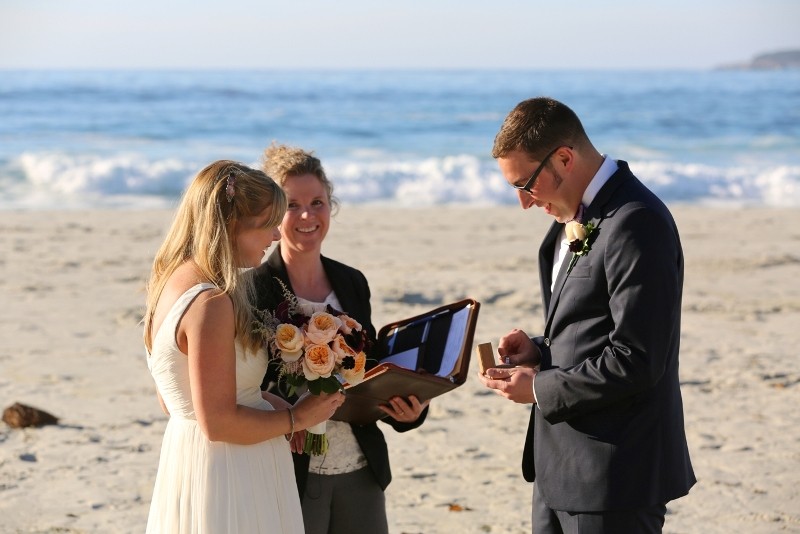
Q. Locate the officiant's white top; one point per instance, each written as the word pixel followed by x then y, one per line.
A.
pixel 205 486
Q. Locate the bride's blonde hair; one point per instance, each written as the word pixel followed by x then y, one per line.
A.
pixel 219 198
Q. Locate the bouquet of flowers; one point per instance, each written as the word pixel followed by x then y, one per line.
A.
pixel 318 348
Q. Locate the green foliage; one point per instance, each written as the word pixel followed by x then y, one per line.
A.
pixel 329 385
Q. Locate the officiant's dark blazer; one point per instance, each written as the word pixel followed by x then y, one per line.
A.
pixel 352 290
pixel 608 431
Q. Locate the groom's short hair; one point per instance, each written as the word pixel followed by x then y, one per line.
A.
pixel 537 126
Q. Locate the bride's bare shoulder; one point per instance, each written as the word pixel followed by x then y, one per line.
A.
pixel 179 282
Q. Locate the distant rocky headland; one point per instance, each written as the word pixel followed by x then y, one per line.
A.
pixel 786 59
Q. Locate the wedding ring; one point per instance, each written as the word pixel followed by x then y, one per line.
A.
pixel 402 412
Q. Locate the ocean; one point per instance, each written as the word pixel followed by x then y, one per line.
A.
pixel 134 139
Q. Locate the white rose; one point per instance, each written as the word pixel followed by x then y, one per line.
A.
pixel 575 231
pixel 580 232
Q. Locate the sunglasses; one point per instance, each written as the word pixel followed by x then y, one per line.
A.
pixel 532 180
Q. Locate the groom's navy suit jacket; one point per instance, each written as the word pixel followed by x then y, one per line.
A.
pixel 608 431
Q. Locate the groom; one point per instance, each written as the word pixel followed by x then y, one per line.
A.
pixel 606 443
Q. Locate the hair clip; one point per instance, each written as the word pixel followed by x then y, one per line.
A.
pixel 230 186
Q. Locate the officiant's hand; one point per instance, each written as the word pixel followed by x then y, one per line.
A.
pixel 405 411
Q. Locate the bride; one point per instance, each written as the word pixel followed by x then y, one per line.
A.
pixel 225 465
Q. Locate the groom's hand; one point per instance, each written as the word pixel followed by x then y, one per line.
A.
pixel 514 383
pixel 516 348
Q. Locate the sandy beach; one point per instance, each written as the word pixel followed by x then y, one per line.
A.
pixel 72 297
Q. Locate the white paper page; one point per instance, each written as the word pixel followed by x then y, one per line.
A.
pixel 407 359
pixel 455 340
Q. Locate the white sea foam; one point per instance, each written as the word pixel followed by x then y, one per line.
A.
pixel 120 174
pixel 52 179
pixel 743 184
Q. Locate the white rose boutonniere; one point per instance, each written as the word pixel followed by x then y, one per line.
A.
pixel 578 236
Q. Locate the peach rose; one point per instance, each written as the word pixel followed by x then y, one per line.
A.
pixel 341 348
pixel 322 328
pixel 356 374
pixel 289 340
pixel 319 362
pixel 349 324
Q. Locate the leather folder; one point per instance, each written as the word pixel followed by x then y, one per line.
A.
pixel 425 355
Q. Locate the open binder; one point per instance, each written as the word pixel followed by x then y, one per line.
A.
pixel 425 356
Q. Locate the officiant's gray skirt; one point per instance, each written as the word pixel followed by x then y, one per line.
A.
pixel 350 503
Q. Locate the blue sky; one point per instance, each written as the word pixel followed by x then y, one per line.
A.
pixel 532 34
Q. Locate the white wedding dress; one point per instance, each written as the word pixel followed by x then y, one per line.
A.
pixel 216 487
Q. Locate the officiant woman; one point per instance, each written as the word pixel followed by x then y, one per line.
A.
pixel 342 492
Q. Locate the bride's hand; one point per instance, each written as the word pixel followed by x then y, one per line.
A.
pixel 298 442
pixel 312 409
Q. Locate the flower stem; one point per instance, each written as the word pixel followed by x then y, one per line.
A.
pixel 316 444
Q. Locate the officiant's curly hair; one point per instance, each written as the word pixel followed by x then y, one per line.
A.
pixel 281 162
pixel 220 197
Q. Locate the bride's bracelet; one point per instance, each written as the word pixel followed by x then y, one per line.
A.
pixel 291 421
